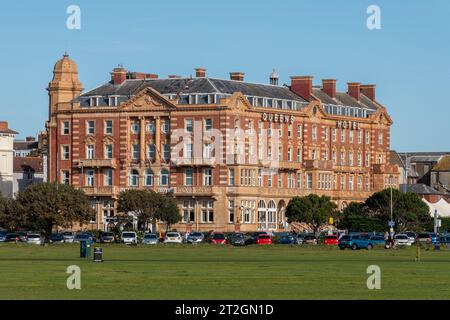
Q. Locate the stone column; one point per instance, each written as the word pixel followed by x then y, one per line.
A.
pixel 157 140
pixel 142 140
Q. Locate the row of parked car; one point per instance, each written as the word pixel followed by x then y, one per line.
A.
pixel 343 241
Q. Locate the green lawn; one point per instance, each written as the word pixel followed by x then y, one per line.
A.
pixel 216 272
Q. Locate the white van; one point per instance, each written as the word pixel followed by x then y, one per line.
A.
pixel 129 237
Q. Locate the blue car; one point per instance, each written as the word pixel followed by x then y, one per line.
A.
pixel 377 240
pixel 355 242
pixel 287 239
pixel 2 236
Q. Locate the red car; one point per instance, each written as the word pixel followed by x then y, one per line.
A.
pixel 264 239
pixel 331 240
pixel 218 238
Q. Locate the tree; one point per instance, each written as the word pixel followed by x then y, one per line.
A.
pixel 46 205
pixel 168 211
pixel 356 217
pixel 312 209
pixel 10 217
pixel 409 211
pixel 143 202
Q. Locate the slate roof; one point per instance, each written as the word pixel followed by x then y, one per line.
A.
pixel 345 99
pixel 394 158
pixel 419 188
pixel 194 85
pixel 33 164
pixel 26 145
pixel 443 164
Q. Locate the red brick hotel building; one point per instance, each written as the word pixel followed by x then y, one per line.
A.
pixel 232 152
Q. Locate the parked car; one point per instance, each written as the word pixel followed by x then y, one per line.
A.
pixel 82 236
pixel 287 239
pixel 107 237
pixel 377 240
pixel 195 237
pixel 2 236
pixel 238 239
pixel 411 236
pixel 427 237
pixel 12 237
pixel 68 236
pixel 150 238
pixel 56 238
pixel 23 236
pixel 309 239
pixel 173 237
pixel 218 238
pixel 445 239
pixel 254 237
pixel 355 242
pixel 402 240
pixel 35 239
pixel 129 237
pixel 331 240
pixel 299 238
pixel 264 239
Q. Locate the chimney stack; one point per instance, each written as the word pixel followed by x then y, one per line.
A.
pixel 354 90
pixel 302 86
pixel 3 125
pixel 237 76
pixel 200 72
pixel 274 77
pixel 119 75
pixel 369 91
pixel 30 139
pixel 174 76
pixel 329 87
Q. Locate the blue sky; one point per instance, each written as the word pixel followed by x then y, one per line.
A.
pixel 408 59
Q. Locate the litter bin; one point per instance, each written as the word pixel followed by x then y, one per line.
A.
pixel 437 246
pixel 98 254
pixel 85 249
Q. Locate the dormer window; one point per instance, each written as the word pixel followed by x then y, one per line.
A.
pixel 113 101
pixel 94 101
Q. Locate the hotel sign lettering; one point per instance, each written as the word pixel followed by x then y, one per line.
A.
pixel 352 125
pixel 274 117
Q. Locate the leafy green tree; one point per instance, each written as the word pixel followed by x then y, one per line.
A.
pixel 168 211
pixel 409 211
pixel 356 217
pixel 47 205
pixel 143 202
pixel 10 217
pixel 311 209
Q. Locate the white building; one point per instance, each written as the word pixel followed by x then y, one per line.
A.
pixel 28 171
pixel 6 159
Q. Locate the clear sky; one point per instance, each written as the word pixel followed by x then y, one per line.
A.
pixel 408 59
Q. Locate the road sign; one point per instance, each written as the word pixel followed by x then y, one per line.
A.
pixel 391 224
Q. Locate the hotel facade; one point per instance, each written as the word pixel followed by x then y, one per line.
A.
pixel 233 153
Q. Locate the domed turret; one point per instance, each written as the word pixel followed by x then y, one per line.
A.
pixel 66 71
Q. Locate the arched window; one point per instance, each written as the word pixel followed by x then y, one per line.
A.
pixel 148 178
pixel 164 177
pixel 133 178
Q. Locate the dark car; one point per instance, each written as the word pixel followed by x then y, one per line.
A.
pixel 107 237
pixel 238 239
pixel 287 239
pixel 445 239
pixel 23 236
pixel 12 237
pixel 56 238
pixel 2 236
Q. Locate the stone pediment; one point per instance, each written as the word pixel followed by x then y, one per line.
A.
pixel 148 99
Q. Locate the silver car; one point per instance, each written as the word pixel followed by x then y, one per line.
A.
pixel 402 240
pixel 68 236
pixel 150 238
pixel 129 237
pixel 35 239
pixel 196 237
pixel 173 237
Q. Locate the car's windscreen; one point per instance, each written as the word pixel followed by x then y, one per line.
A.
pixel 128 235
pixel 196 234
pixel 33 236
pixel 331 238
pixel 172 235
pixel 150 236
pixel 345 238
pixel 401 237
pixel 108 234
pixel 264 237
pixel 219 236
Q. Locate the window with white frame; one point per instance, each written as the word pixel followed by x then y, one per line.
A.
pixel 342 158
pixel 108 151
pixel 151 127
pixel 359 159
pixel 289 154
pixel 334 157
pixel 108 127
pixel 208 125
pixel 350 158
pixel 231 211
pixel 367 160
pixel 260 178
pixel 207 211
pixel 207 150
pixel 90 127
pixel 135 151
pixel 189 125
pixel 380 138
pixel 133 178
pixel 90 151
pixel 65 128
pixel 333 134
pixel 151 151
pixel 342 135
pixel 359 183
pixel 89 178
pixel 314 133
pixel 135 127
pixel 165 127
pixel 113 101
pixel 367 185
pixel 65 177
pixel 325 133
pixel 65 152
pixel 166 152
pixel 350 183
pixel 188 177
pixel 231 180
pixel 299 131
pixel 207 177
pixel 149 178
pixel 342 182
pixel 289 130
pixel 188 150
pixel 367 137
pixel 299 180
pixel 188 211
pixel 107 177
pixel 299 154
pixel 359 136
pixel 350 136
pixel 309 182
pixel 164 178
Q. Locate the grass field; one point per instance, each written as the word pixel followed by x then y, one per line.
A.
pixel 215 272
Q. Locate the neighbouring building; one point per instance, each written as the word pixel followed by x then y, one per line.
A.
pixel 440 175
pixel 26 148
pixel 418 165
pixel 232 152
pixel 6 159
pixel 28 171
